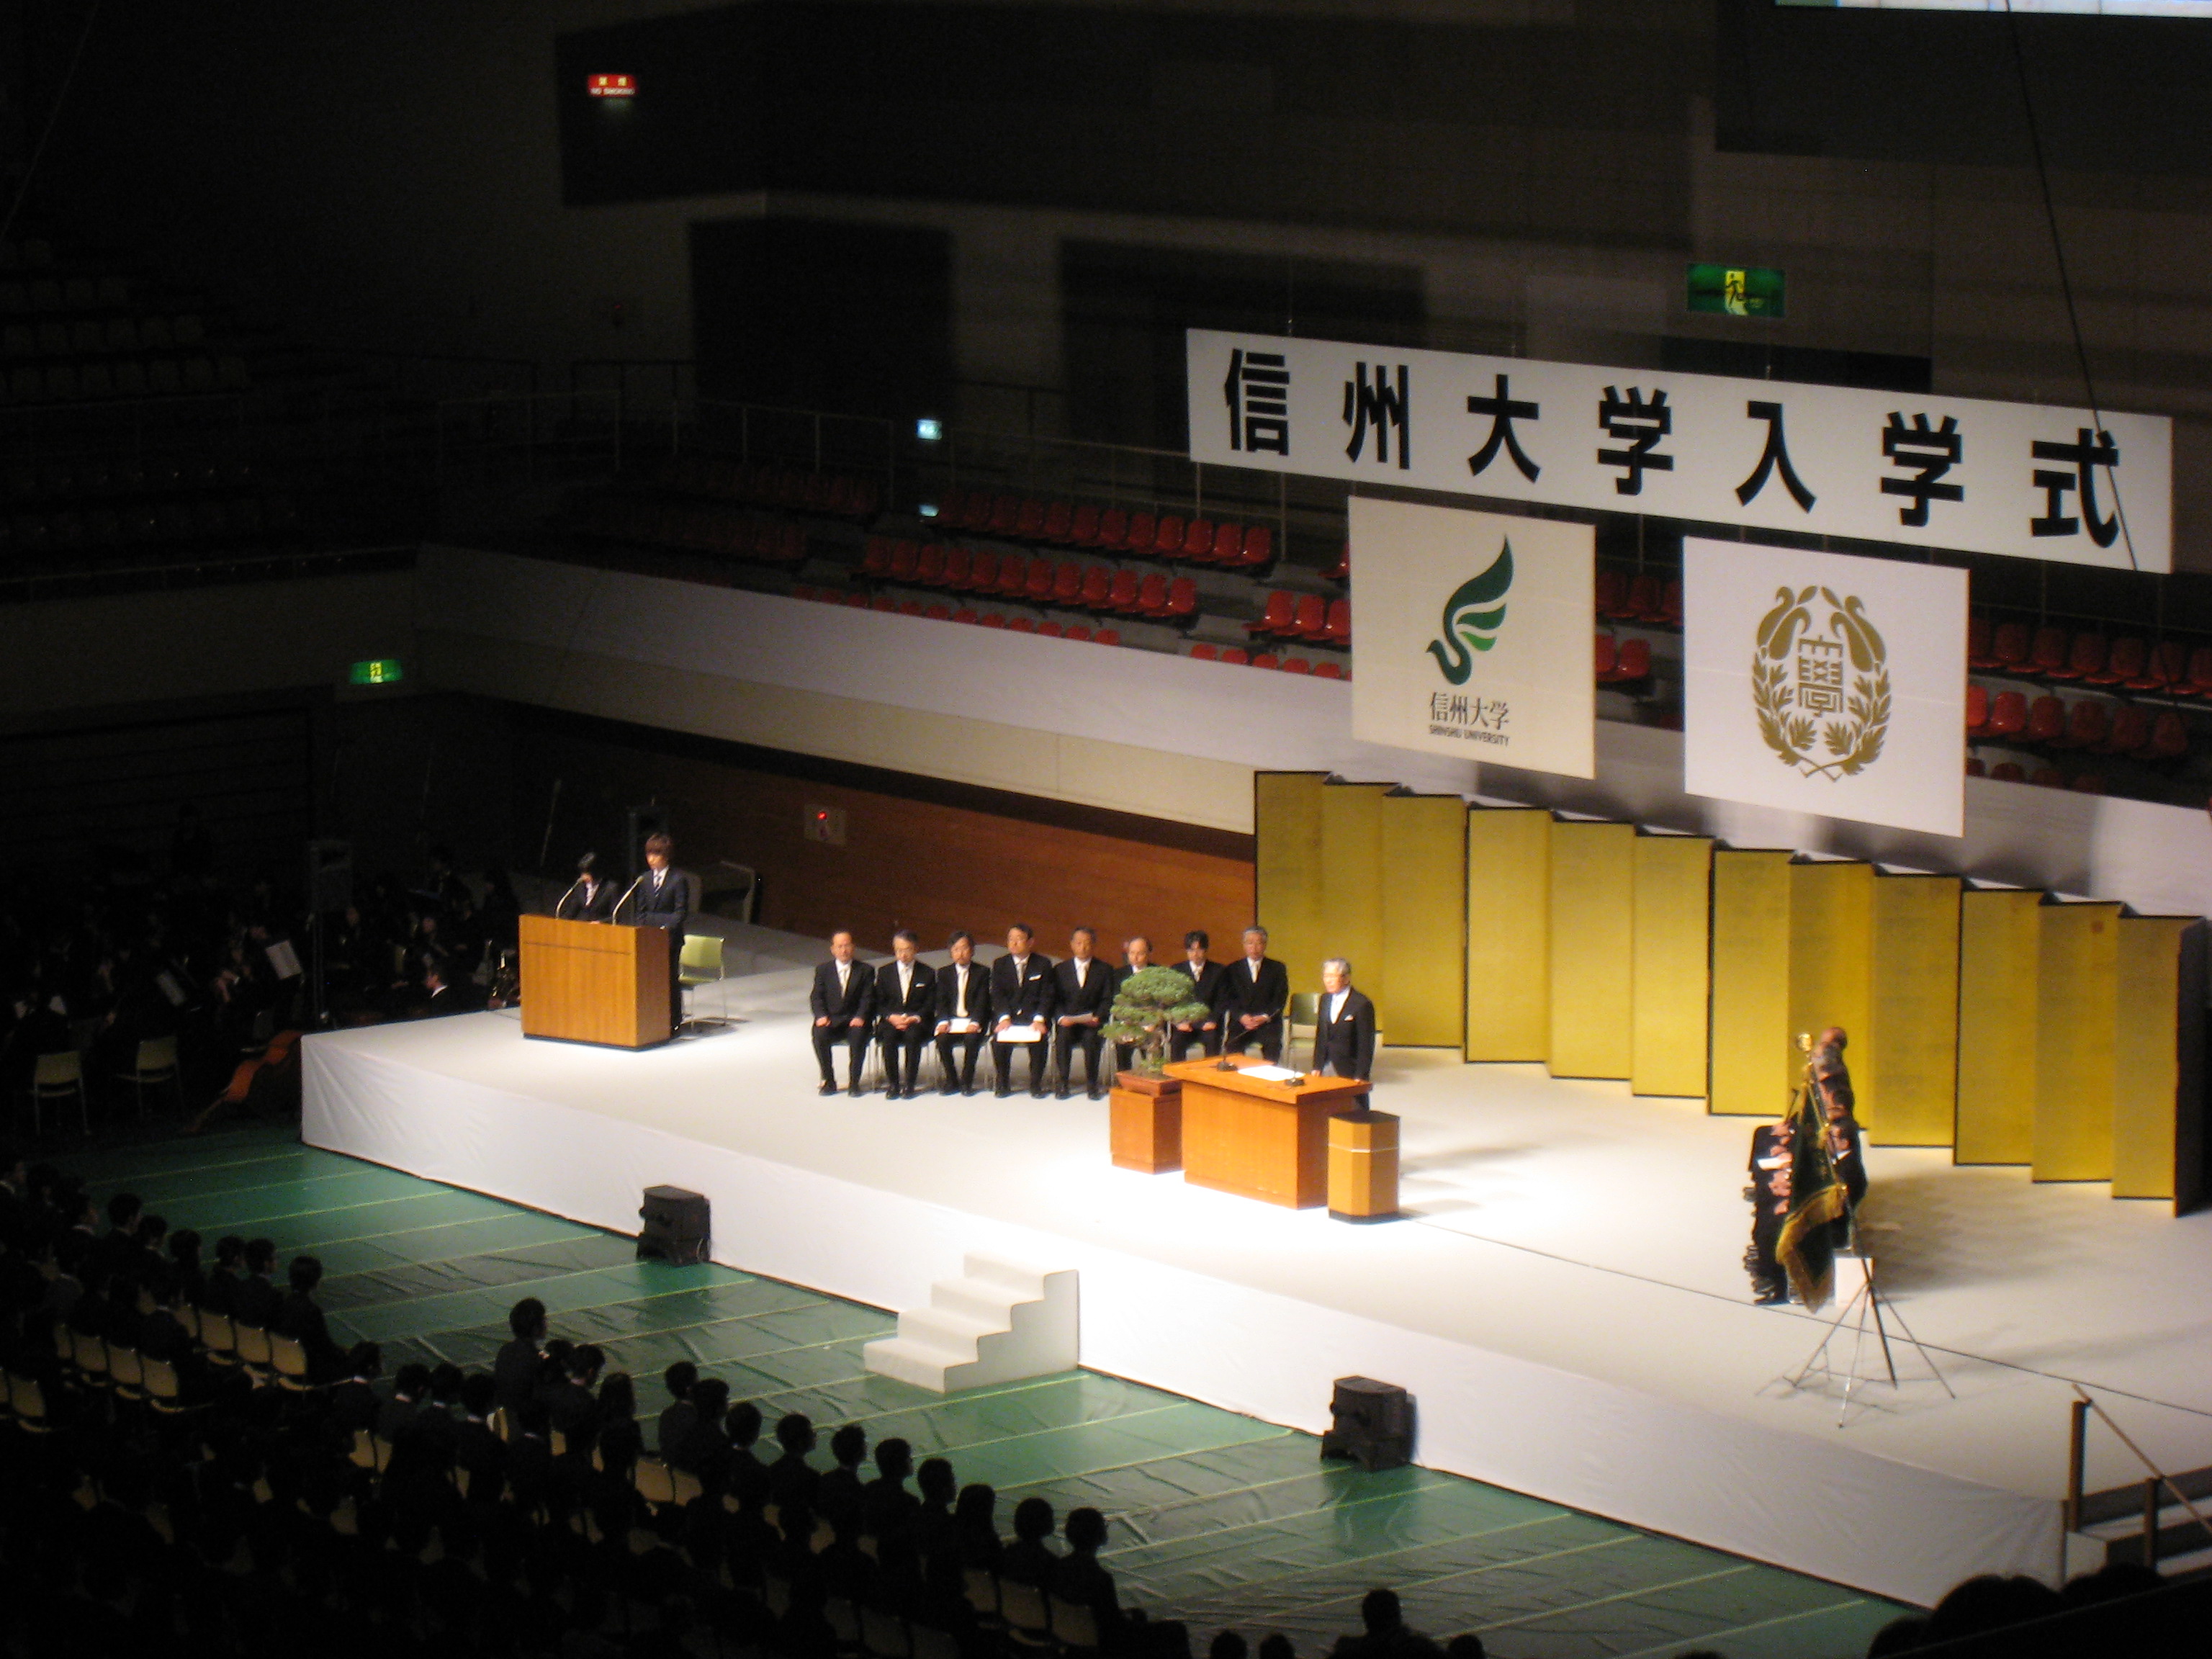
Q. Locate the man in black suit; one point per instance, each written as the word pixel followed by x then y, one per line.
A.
pixel 906 999
pixel 963 999
pixel 1021 993
pixel 1136 956
pixel 664 901
pixel 1205 979
pixel 449 995
pixel 1253 995
pixel 843 1001
pixel 1344 1030
pixel 592 899
pixel 1083 996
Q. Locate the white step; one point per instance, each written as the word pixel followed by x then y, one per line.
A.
pixel 1000 1322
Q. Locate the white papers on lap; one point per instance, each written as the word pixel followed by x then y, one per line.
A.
pixel 1018 1034
pixel 961 1027
pixel 1274 1073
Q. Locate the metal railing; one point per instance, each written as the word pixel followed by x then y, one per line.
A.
pixel 2157 1481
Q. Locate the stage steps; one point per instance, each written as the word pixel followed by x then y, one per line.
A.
pixel 2112 1527
pixel 999 1322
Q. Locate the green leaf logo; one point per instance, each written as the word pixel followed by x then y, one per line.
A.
pixel 1473 615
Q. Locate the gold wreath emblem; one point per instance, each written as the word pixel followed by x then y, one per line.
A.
pixel 1807 702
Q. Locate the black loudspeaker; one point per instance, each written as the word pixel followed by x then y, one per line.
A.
pixel 675 1225
pixel 1371 1421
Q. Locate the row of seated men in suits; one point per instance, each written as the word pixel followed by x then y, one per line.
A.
pixel 1054 1011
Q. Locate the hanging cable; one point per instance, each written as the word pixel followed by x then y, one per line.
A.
pixel 2065 281
pixel 53 119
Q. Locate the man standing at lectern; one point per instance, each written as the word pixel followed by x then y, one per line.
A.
pixel 906 995
pixel 664 901
pixel 843 1000
pixel 1253 995
pixel 591 899
pixel 1344 1026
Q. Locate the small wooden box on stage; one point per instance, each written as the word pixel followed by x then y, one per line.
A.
pixel 1147 1123
pixel 594 981
pixel 1258 1139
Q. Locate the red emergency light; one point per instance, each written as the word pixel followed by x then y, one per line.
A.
pixel 614 86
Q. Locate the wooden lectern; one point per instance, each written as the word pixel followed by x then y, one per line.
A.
pixel 594 981
pixel 1260 1139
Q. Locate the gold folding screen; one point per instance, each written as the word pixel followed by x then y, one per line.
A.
pixel 2076 1041
pixel 1509 933
pixel 2156 1152
pixel 1752 1066
pixel 1286 873
pixel 1672 952
pixel 2000 955
pixel 1422 1003
pixel 1593 919
pixel 1910 1065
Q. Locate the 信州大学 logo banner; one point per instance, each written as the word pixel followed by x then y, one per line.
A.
pixel 1824 683
pixel 1473 635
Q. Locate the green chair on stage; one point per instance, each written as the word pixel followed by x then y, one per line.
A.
pixel 701 964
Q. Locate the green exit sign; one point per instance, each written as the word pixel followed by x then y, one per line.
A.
pixel 1736 290
pixel 379 671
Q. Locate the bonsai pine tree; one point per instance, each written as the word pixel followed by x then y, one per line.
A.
pixel 1146 1008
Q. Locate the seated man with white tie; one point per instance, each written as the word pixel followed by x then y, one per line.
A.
pixel 964 1014
pixel 1205 986
pixel 843 1000
pixel 1083 993
pixel 906 997
pixel 1254 994
pixel 1343 1032
pixel 1021 993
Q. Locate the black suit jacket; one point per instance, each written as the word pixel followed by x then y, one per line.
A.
pixel 1094 996
pixel 978 993
pixel 1031 999
pixel 921 997
pixel 1242 994
pixel 856 1001
pixel 590 905
pixel 1206 981
pixel 670 907
pixel 1349 1039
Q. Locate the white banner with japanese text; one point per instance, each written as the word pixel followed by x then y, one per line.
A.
pixel 2027 480
pixel 1472 635
pixel 1818 683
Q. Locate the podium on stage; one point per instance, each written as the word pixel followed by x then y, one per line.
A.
pixel 594 981
pixel 1259 1137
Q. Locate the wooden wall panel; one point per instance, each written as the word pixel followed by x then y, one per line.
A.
pixel 2077 1035
pixel 1673 950
pixel 906 863
pixel 1592 949
pixel 1423 1001
pixel 1911 1068
pixel 1753 1066
pixel 2000 944
pixel 1509 933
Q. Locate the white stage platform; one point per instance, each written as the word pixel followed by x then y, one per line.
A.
pixel 1565 1301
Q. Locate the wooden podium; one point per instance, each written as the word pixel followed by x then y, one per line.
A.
pixel 1260 1139
pixel 594 981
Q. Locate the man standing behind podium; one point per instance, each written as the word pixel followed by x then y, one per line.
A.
pixel 906 995
pixel 843 999
pixel 1083 995
pixel 963 999
pixel 1344 1027
pixel 1021 992
pixel 664 901
pixel 591 899
pixel 1253 996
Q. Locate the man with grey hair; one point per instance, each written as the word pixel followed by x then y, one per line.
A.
pixel 1253 994
pixel 1344 1025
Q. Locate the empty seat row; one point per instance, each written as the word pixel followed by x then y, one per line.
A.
pixel 1043 580
pixel 1235 655
pixel 1641 598
pixel 721 532
pixel 1622 662
pixel 2044 777
pixel 936 611
pixel 834 494
pixel 29 535
pixel 94 336
pixel 38 295
pixel 1138 533
pixel 2089 657
pixel 2087 723
pixel 1304 617
pixel 96 481
pixel 128 377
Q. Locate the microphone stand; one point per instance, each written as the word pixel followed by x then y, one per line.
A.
pixel 614 915
pixel 563 899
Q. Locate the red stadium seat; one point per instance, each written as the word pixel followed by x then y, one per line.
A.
pixel 2047 777
pixel 1107 637
pixel 1312 622
pixel 877 559
pixel 939 612
pixel 2200 672
pixel 2008 772
pixel 975 512
pixel 1634 663
pixel 1259 546
pixel 1612 590
pixel 1297 665
pixel 905 558
pixel 909 607
pixel 1078 631
pixel 2085 725
pixel 2129 658
pixel 1013 575
pixel 1978 643
pixel 1202 652
pixel 884 602
pixel 964 615
pixel 1670 606
pixel 1183 597
pixel 1233 653
pixel 1229 544
pixel 1197 539
pixel 995 619
pixel 2169 737
pixel 1143 527
pixel 1280 617
pixel 1042 575
pixel 929 570
pixel 1059 518
pixel 1152 595
pixel 1265 659
pixel 1066 582
pixel 982 571
pixel 856 601
pixel 1005 515
pixel 1021 625
pixel 1122 594
pixel 2009 647
pixel 2131 729
pixel 1327 671
pixel 1338 629
pixel 1113 529
pixel 1029 523
pixel 2168 666
pixel 1098 584
pixel 801 591
pixel 1082 527
pixel 1646 598
pixel 2048 654
pixel 1975 768
pixel 1049 630
pixel 2084 658
pixel 2087 783
pixel 1977 708
pixel 2008 714
pixel 2046 718
pixel 1608 653
pixel 1342 567
pixel 1167 537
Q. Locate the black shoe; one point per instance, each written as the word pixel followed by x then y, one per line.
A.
pixel 1036 1094
pixel 1061 1093
pixel 948 1089
pixel 1770 1298
pixel 1002 1094
pixel 828 1087
pixel 856 1091
pixel 1097 1094
pixel 969 1092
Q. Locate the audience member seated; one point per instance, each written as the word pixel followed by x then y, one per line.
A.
pixel 514 1369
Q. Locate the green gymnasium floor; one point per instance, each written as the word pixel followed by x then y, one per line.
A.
pixel 1217 1519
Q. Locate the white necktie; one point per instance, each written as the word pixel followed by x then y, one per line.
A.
pixel 960 979
pixel 906 982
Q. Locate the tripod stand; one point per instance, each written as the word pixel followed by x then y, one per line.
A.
pixel 1867 1306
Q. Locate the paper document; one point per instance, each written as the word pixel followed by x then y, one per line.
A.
pixel 961 1027
pixel 283 960
pixel 1018 1034
pixel 1274 1073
